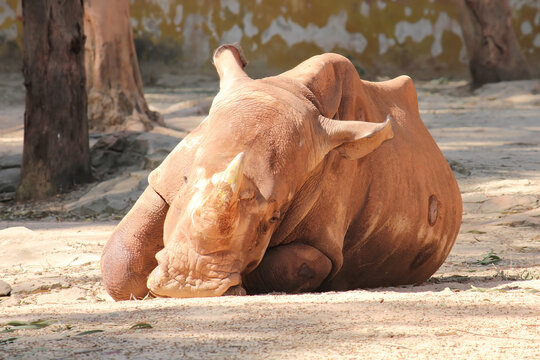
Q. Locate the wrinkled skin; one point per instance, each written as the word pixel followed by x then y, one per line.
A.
pixel 292 183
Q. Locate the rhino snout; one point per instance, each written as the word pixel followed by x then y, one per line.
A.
pixel 168 282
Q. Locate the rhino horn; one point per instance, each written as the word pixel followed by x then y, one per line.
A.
pixel 233 174
pixel 217 208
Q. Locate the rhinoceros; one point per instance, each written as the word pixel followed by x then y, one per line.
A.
pixel 312 180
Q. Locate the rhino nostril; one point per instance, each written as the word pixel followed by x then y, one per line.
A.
pixel 251 266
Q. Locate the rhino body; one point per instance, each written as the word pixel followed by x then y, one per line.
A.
pixel 310 180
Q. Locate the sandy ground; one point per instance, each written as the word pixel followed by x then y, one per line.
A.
pixel 483 303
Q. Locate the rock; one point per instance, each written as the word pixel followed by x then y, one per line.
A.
pixel 156 142
pixel 7 196
pixel 18 233
pixel 117 152
pixel 30 285
pixel 5 288
pixel 458 168
pixel 188 123
pixel 9 179
pixel 114 196
pixel 20 245
pixel 152 161
pixel 11 161
pixel 128 153
pixel 188 108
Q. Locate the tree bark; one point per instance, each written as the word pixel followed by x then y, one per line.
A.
pixel 115 96
pixel 55 153
pixel 492 47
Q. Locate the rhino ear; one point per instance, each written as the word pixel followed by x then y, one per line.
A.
pixel 355 139
pixel 230 62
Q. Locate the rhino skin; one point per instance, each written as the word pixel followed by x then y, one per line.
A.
pixel 311 180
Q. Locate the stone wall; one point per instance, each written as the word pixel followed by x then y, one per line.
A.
pixel 10 37
pixel 421 38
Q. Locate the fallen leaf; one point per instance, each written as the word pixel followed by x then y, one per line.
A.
pixel 490 258
pixel 141 325
pixel 7 340
pixel 88 332
pixel 476 232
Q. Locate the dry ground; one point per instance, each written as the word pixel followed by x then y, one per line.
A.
pixel 483 303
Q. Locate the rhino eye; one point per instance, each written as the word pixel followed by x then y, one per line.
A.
pixel 274 218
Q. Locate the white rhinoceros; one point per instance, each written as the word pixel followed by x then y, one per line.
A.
pixel 290 185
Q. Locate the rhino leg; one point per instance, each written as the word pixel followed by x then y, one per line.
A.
pixel 129 255
pixel 291 268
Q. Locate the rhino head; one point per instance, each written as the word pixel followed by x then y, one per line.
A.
pixel 258 146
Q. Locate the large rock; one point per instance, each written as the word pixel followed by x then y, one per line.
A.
pixel 153 160
pixel 11 161
pixel 188 123
pixel 118 152
pixel 158 147
pixel 114 196
pixel 10 174
pixel 188 108
pixel 5 288
pixel 20 245
pixel 115 151
pixel 9 180
pixel 458 168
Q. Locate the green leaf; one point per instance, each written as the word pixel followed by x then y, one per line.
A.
pixel 40 323
pixel 89 332
pixel 25 327
pixel 17 323
pixel 141 325
pixel 476 232
pixel 490 258
pixel 7 340
pixel 22 325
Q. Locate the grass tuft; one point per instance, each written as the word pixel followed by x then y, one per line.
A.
pixel 490 258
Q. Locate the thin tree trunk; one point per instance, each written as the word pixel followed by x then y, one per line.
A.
pixel 115 96
pixel 492 47
pixel 55 153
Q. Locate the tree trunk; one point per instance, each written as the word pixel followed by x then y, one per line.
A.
pixel 115 97
pixel 55 153
pixel 492 47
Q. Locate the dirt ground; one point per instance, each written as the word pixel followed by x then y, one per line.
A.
pixel 483 303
